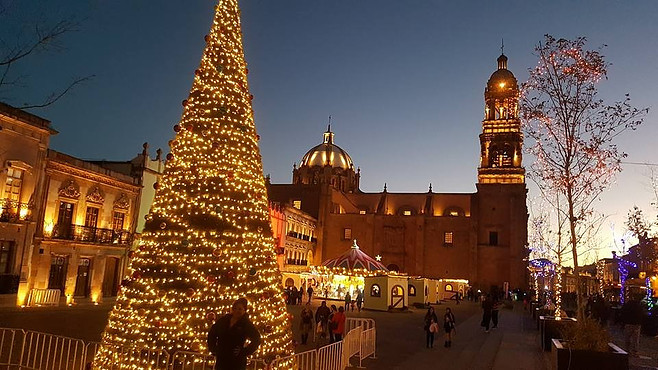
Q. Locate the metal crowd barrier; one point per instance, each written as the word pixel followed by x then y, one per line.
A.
pixel 44 297
pixel 368 344
pixel 25 349
pixel 353 322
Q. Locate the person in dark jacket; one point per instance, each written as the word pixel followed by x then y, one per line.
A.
pixel 632 315
pixel 322 319
pixel 430 317
pixel 487 308
pixel 227 338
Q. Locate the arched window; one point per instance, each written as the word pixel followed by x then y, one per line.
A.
pixel 412 290
pixel 449 288
pixel 375 291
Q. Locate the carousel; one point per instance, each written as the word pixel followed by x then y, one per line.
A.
pixel 344 274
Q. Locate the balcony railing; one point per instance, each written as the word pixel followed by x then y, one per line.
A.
pixel 13 211
pixel 91 234
pixel 292 261
pixel 301 236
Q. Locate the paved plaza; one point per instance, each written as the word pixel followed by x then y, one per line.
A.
pixel 400 336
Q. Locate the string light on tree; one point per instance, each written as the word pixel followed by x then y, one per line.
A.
pixel 208 238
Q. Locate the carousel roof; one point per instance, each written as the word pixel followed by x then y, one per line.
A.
pixel 355 259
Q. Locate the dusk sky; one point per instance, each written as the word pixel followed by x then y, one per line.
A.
pixel 403 80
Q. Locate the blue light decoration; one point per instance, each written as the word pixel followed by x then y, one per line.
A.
pixel 650 303
pixel 622 266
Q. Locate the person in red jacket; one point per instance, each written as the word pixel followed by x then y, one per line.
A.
pixel 338 324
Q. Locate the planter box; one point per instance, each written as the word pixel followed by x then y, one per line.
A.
pixel 542 312
pixel 565 358
pixel 550 328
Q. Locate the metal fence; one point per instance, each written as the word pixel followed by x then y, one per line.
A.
pixel 353 322
pixel 368 344
pixel 44 297
pixel 26 349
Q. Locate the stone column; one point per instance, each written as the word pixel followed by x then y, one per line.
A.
pixel 71 276
pixel 97 276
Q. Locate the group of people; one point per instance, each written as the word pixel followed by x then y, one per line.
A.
pixel 432 326
pixel 329 322
pixel 349 302
pixel 295 296
pixel 490 308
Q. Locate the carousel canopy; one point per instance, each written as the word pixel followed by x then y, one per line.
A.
pixel 355 259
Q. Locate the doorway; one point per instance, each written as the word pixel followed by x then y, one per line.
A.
pixel 397 297
pixel 64 220
pixel 57 276
pixel 110 281
pixel 82 281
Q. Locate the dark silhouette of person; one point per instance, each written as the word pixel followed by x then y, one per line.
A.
pixel 227 338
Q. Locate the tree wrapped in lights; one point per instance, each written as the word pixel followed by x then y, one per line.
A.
pixel 571 132
pixel 208 239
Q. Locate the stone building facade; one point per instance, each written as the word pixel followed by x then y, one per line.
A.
pixel 294 234
pixel 85 229
pixel 479 236
pixel 24 140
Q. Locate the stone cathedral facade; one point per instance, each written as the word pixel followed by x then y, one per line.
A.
pixel 479 236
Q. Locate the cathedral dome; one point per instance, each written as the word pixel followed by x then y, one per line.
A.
pixel 502 81
pixel 327 153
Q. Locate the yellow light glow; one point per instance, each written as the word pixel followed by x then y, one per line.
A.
pixel 208 238
pixel 48 228
pixel 501 85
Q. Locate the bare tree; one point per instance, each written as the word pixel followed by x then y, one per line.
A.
pixel 22 43
pixel 572 132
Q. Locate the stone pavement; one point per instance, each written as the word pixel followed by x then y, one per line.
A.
pixel 512 346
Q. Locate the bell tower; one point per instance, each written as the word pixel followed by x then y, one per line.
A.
pixel 501 140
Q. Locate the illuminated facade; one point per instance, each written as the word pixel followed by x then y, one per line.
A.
pixel 478 236
pixel 294 236
pixel 84 231
pixel 24 140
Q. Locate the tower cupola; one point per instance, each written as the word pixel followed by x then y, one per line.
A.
pixel 501 141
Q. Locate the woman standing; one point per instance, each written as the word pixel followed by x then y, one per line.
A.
pixel 448 326
pixel 306 324
pixel 228 336
pixel 338 323
pixel 430 317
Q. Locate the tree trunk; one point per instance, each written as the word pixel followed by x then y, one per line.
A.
pixel 574 252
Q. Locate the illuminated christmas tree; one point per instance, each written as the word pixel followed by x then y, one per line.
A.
pixel 208 239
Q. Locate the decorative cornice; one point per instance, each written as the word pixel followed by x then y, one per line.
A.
pixel 70 190
pixel 54 167
pixel 95 195
pixel 122 202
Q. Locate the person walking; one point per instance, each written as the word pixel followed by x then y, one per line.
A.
pixel 430 317
pixel 310 292
pixel 359 299
pixel 348 300
pixel 227 338
pixel 487 307
pixel 322 319
pixel 306 323
pixel 338 324
pixel 448 326
pixel 632 315
pixel 494 313
pixel 332 325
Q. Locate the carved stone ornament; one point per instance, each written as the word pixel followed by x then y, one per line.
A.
pixel 122 202
pixel 95 195
pixel 70 190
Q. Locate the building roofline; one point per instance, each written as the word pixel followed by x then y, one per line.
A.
pixel 25 117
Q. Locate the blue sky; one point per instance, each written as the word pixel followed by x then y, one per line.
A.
pixel 403 80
